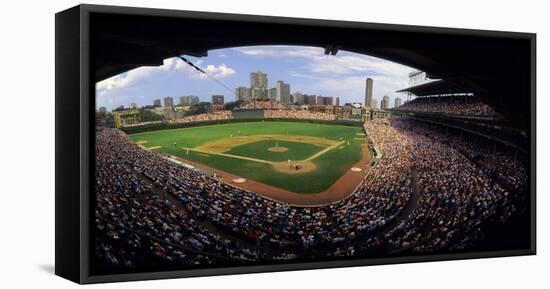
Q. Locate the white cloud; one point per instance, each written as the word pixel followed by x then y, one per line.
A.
pixel 341 75
pixel 352 88
pixel 348 64
pixel 125 79
pixel 280 51
pixel 170 65
pixel 342 63
pixel 219 71
pixel 302 75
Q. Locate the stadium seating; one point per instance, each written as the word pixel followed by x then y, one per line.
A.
pixel 459 105
pixel 430 191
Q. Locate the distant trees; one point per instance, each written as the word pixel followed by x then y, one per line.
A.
pixel 201 107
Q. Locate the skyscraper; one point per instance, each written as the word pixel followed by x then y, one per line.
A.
pixel 338 101
pixel 298 98
pixel 272 93
pixel 217 99
pixel 324 100
pixel 258 80
pixel 258 92
pixel 310 99
pixel 189 100
pixel 373 103
pixel 156 102
pixel 397 102
pixel 368 92
pixel 385 103
pixel 242 93
pixel 283 92
pixel 168 101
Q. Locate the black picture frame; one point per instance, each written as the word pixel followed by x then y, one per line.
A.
pixel 75 120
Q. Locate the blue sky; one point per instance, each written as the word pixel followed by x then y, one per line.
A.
pixel 307 70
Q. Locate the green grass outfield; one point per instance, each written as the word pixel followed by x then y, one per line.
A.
pixel 329 166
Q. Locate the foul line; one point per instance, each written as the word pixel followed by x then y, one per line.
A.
pixel 230 156
pixel 318 154
pixel 311 158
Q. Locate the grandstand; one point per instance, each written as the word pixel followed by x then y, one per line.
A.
pixel 396 202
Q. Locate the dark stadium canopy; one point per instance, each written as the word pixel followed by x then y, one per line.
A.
pixel 436 87
pixel 495 67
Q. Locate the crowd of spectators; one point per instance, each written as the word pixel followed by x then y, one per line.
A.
pixel 269 222
pixel 219 115
pixel 127 209
pixel 454 196
pixel 506 164
pixel 449 105
pixel 262 104
pixel 298 114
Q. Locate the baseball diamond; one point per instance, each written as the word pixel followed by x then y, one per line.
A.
pixel 294 157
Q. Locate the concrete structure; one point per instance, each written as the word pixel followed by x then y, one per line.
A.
pixel 385 103
pixel 103 109
pixel 242 93
pixel 317 108
pixel 168 101
pixel 350 112
pixel 337 101
pixel 298 98
pixel 157 102
pixel 346 112
pixel 218 99
pixel 417 77
pixel 189 100
pixel 133 105
pixel 272 93
pixel 325 100
pixel 310 99
pixel 158 110
pixel 173 112
pixel 258 80
pixel 283 92
pixel 258 93
pixel 304 99
pixel 338 111
pixel 376 113
pixel 127 117
pixel 373 103
pixel 397 102
pixel 368 92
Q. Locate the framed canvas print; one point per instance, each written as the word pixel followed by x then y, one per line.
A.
pixel 193 144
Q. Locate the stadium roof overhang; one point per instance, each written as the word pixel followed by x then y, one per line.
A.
pixel 436 87
pixel 481 64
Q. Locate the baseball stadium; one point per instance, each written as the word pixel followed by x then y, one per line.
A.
pixel 266 176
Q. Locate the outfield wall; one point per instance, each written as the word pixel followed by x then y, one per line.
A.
pixel 248 114
pixel 164 125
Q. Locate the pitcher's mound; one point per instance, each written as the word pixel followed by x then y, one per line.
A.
pixel 277 149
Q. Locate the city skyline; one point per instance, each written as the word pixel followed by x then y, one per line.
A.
pixel 306 69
